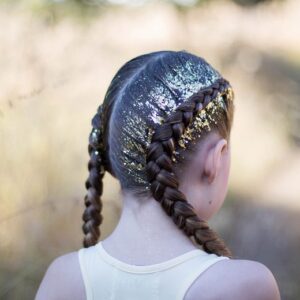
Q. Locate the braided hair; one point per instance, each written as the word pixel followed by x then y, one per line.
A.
pixel 164 184
pixel 98 150
pixel 92 214
pixel 153 112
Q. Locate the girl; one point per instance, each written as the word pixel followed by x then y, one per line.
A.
pixel 163 131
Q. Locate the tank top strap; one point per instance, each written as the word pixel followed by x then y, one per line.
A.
pixel 106 277
pixel 191 271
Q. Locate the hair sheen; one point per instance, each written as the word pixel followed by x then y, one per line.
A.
pixel 156 92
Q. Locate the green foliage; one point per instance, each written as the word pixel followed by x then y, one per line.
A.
pixel 84 10
pixel 251 2
pixel 83 4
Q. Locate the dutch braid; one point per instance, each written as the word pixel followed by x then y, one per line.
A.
pixel 99 148
pixel 164 184
pixel 92 214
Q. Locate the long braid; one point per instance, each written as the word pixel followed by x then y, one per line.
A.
pixel 164 184
pixel 98 149
pixel 92 214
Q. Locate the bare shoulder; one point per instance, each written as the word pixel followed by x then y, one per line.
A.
pixel 235 279
pixel 62 279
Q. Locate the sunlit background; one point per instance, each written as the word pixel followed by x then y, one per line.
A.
pixel 57 59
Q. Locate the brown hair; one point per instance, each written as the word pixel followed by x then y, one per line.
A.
pixel 155 175
pixel 162 176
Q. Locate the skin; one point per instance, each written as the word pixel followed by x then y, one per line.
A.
pixel 205 179
pixel 152 237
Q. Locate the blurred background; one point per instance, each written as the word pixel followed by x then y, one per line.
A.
pixel 57 59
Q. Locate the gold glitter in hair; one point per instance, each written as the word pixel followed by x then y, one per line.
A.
pixel 147 105
pixel 202 121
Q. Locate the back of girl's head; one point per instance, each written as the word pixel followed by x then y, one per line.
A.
pixel 157 108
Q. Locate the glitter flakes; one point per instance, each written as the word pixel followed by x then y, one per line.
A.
pixel 202 121
pixel 146 102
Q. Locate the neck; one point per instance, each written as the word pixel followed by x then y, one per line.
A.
pixel 145 233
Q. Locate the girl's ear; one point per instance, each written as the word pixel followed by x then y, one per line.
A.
pixel 213 161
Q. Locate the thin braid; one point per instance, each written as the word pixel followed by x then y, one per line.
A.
pixel 164 184
pixel 92 214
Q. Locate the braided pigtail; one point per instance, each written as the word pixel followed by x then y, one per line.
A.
pixel 164 183
pixel 92 215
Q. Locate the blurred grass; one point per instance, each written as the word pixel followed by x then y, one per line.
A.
pixel 54 74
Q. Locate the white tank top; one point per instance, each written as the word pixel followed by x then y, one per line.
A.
pixel 107 278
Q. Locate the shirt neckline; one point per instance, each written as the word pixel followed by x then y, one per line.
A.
pixel 147 268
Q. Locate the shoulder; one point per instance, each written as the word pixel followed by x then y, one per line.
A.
pixel 235 279
pixel 62 279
